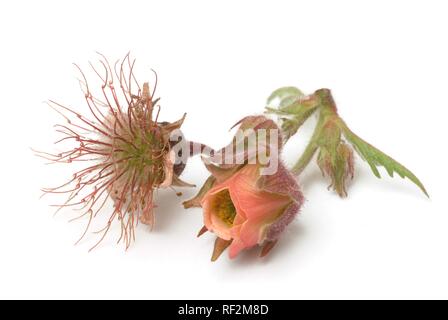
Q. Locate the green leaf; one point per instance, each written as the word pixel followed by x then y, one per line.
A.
pixel 376 158
pixel 286 95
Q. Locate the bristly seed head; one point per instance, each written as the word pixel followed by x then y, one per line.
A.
pixel 128 150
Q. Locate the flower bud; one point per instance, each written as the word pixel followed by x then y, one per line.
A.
pixel 337 163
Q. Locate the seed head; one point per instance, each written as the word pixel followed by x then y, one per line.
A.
pixel 127 151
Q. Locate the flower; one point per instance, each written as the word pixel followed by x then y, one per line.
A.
pixel 243 207
pixel 127 150
pixel 246 209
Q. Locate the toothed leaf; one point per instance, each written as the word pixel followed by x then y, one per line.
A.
pixel 376 158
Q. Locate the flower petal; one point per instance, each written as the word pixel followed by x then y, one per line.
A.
pixel 212 221
pixel 246 236
pixel 248 198
pixel 236 247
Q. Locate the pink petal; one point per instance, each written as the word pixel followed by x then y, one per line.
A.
pixel 246 236
pixel 235 248
pixel 211 220
pixel 249 200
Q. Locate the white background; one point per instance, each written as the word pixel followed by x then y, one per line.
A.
pixel 386 63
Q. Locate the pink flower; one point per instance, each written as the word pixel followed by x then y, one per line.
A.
pixel 245 208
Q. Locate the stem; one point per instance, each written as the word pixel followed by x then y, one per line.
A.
pixel 327 109
pixel 307 155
